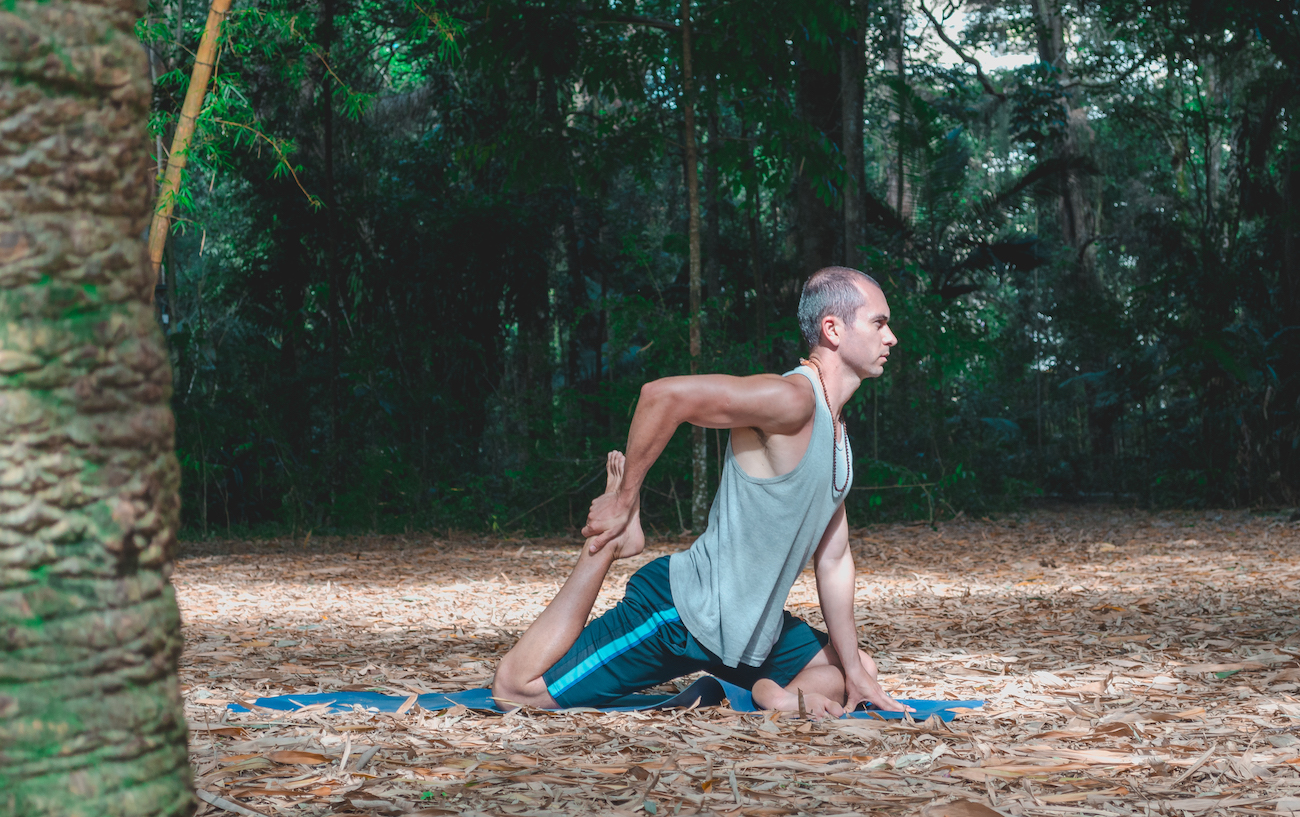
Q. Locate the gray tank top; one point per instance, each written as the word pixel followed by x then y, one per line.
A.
pixel 730 586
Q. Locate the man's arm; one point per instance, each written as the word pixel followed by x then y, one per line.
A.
pixel 769 402
pixel 833 564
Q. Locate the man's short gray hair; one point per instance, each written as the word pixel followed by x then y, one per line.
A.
pixel 830 291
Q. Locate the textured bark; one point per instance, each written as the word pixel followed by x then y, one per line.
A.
pixel 90 713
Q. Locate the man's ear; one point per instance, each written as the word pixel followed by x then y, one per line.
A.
pixel 832 330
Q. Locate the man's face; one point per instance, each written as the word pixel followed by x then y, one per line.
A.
pixel 868 339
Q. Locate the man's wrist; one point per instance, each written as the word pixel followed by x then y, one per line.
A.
pixel 853 669
pixel 857 675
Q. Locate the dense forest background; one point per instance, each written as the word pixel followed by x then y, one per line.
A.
pixel 425 256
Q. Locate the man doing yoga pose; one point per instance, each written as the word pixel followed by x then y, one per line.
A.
pixel 719 606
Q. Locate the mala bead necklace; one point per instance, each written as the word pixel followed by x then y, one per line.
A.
pixel 835 431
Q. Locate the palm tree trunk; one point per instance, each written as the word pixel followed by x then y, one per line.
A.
pixel 90 712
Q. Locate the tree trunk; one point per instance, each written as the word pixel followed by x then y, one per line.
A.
pixel 577 294
pixel 179 155
pixel 713 228
pixel 334 289
pixel 1082 303
pixel 1290 229
pixel 853 70
pixel 756 265
pixel 1287 489
pixel 754 208
pixel 818 224
pixel 1076 210
pixel 90 712
pixel 902 204
pixel 699 442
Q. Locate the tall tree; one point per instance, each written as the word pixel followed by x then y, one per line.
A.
pixel 819 225
pixel 334 284
pixel 90 712
pixel 699 440
pixel 1085 308
pixel 853 72
pixel 713 222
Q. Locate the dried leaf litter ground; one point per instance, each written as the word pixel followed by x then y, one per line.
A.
pixel 1132 663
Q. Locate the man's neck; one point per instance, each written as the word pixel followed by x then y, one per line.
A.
pixel 840 381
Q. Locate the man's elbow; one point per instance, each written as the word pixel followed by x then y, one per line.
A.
pixel 666 401
pixel 834 560
pixel 657 394
pixel 650 390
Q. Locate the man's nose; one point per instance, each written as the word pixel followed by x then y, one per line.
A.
pixel 890 339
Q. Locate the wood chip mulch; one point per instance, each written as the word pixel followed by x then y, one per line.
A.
pixel 1133 664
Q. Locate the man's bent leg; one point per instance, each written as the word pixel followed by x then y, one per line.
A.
pixel 639 643
pixel 518 678
pixel 821 682
pixel 807 655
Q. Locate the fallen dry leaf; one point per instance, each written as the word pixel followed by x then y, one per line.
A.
pixel 307 758
pixel 1160 674
pixel 960 808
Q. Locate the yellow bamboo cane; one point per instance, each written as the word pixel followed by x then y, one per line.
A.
pixel 198 87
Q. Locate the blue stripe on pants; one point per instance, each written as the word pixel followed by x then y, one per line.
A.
pixel 612 650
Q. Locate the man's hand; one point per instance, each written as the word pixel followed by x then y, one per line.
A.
pixel 863 686
pixel 613 518
pixel 819 707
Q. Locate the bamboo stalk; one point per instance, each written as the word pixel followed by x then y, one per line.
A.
pixel 176 159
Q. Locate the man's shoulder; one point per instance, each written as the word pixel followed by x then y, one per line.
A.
pixel 784 399
pixel 795 384
pixel 797 387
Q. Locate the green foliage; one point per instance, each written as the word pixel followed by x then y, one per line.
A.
pixel 437 311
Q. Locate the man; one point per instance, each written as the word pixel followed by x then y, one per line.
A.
pixel 719 605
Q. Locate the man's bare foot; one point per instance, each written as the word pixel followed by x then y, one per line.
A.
pixel 632 540
pixel 768 695
pixel 614 462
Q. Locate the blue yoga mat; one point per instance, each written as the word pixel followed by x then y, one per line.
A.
pixel 706 691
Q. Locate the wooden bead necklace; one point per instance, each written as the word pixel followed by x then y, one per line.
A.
pixel 835 431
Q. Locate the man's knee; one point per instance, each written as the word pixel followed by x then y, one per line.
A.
pixel 511 688
pixel 827 656
pixel 503 686
pixel 508 681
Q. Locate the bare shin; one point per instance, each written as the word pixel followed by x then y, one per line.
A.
pixel 518 678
